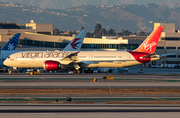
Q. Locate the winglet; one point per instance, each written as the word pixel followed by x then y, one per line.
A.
pixel 11 44
pixel 76 43
pixel 150 44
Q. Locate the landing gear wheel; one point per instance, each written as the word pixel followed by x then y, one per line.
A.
pixel 76 71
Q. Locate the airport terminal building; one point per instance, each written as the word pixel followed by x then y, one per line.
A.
pixel 38 36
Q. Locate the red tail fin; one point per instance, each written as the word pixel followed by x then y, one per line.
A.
pixel 150 44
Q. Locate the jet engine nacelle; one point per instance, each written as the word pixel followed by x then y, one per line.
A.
pixel 51 65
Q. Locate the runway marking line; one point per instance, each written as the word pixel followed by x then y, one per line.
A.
pixel 29 99
pixel 159 98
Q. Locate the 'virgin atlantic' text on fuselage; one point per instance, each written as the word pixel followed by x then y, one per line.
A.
pixel 45 54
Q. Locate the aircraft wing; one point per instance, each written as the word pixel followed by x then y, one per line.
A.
pixel 72 58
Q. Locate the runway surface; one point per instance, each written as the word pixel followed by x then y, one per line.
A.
pixel 64 80
pixel 53 108
pixel 89 84
pixel 92 99
pixel 90 96
pixel 93 115
pixel 90 76
pixel 167 79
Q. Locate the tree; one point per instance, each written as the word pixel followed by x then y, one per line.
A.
pixel 56 31
pixel 97 28
pixel 102 32
pixel 111 32
pixel 60 32
pixel 123 31
pixel 88 34
pixel 141 33
pixel 127 33
pixel 70 33
pixel 82 28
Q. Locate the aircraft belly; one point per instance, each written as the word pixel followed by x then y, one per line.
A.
pixel 30 63
pixel 115 64
pixel 131 63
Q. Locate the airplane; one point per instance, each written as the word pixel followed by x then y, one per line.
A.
pixel 78 60
pixel 9 48
pixel 74 46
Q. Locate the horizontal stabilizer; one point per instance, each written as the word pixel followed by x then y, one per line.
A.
pixel 149 55
pixel 164 55
pixel 159 56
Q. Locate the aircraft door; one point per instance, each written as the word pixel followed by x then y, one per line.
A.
pixel 128 57
pixel 16 58
pixel 91 57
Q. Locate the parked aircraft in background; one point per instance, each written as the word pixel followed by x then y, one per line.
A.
pixel 9 48
pixel 76 43
pixel 78 60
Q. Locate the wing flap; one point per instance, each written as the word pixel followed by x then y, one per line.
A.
pixel 72 58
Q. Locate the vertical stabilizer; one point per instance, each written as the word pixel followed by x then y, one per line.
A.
pixel 76 43
pixel 11 44
pixel 150 44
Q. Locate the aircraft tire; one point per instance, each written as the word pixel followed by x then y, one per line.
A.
pixel 77 71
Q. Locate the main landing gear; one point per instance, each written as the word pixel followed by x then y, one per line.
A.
pixel 85 71
pixel 77 71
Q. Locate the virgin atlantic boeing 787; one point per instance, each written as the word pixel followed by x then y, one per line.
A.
pixel 78 60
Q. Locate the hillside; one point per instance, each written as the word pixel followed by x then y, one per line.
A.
pixel 130 17
pixel 63 4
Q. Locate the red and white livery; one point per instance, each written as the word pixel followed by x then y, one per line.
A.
pixel 78 60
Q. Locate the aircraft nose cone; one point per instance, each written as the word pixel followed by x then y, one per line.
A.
pixel 6 62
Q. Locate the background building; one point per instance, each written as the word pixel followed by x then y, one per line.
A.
pixel 7 30
pixel 37 36
pixel 169 43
